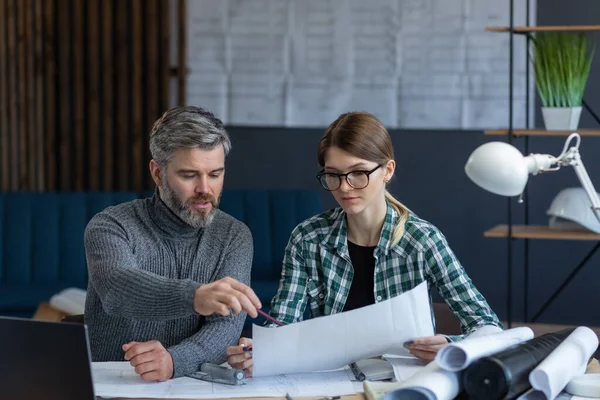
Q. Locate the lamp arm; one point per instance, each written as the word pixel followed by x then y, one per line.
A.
pixel 538 163
pixel 573 158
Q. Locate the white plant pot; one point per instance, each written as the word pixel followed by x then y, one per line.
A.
pixel 561 118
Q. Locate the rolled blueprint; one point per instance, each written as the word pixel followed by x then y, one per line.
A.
pixel 505 375
pixel 568 360
pixel 431 383
pixel 459 355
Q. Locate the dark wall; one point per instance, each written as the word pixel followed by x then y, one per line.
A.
pixel 430 180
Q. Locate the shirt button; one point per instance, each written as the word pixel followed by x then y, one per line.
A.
pixel 321 296
pixel 379 298
pixel 377 269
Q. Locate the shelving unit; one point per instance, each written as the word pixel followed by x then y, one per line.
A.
pixel 540 232
pixel 528 232
pixel 540 132
pixel 547 28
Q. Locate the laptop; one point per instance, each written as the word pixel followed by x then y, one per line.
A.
pixel 44 360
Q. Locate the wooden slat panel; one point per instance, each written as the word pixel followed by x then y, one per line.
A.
pixel 12 79
pixel 22 92
pixel 107 93
pixel 165 73
pixel 138 96
pixel 39 95
pixel 93 83
pixel 74 73
pixel 4 113
pixel 78 94
pixel 122 65
pixel 152 71
pixel 30 103
pixel 64 101
pixel 181 52
pixel 50 95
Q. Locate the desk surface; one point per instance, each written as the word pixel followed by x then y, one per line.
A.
pixel 46 313
pixel 359 396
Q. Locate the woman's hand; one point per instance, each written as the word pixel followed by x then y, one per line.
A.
pixel 427 347
pixel 240 359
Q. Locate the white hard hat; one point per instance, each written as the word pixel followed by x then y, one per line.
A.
pixel 572 209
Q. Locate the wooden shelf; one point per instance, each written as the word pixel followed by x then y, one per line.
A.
pixel 547 28
pixel 539 232
pixel 541 132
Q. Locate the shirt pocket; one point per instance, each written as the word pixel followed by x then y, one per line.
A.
pixel 316 292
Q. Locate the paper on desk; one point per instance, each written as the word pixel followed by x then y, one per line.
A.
pixel 431 383
pixel 404 366
pixel 118 379
pixel 568 360
pixel 333 341
pixel 459 355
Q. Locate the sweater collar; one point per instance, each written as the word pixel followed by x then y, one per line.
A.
pixel 167 221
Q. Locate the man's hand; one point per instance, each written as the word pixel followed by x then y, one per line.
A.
pixel 240 359
pixel 150 360
pixel 427 347
pixel 224 294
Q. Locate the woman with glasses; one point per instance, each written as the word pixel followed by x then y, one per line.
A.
pixel 369 249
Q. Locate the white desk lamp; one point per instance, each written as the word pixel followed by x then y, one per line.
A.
pixel 500 168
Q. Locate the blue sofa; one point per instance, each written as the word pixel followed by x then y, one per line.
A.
pixel 41 238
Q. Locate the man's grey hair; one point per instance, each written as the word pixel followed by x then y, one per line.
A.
pixel 186 127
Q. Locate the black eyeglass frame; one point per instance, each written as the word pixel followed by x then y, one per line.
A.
pixel 339 176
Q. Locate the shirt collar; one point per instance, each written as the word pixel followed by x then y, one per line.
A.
pixel 338 233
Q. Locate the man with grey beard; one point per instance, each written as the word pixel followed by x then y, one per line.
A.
pixel 168 275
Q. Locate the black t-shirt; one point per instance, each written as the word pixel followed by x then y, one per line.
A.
pixel 361 290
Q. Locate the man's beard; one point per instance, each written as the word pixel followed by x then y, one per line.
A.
pixel 192 217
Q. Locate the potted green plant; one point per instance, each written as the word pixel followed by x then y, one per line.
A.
pixel 562 62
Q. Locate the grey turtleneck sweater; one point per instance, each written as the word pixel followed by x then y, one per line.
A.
pixel 144 266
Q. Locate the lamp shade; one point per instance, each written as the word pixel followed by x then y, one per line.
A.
pixel 499 168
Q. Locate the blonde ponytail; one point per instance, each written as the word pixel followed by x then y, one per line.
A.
pixel 403 214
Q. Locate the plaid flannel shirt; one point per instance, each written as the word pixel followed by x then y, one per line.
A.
pixel 317 270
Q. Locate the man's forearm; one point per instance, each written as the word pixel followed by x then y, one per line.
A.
pixel 135 294
pixel 208 344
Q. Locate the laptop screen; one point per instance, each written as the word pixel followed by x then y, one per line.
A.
pixel 44 360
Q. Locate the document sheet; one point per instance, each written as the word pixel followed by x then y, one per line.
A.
pixel 333 341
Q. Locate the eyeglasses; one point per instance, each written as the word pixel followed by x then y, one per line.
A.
pixel 356 179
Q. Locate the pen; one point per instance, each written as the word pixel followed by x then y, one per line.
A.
pixel 267 316
pixel 357 372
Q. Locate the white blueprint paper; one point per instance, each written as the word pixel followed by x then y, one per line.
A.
pixel 431 383
pixel 568 360
pixel 459 355
pixel 118 379
pixel 333 341
pixel 404 366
